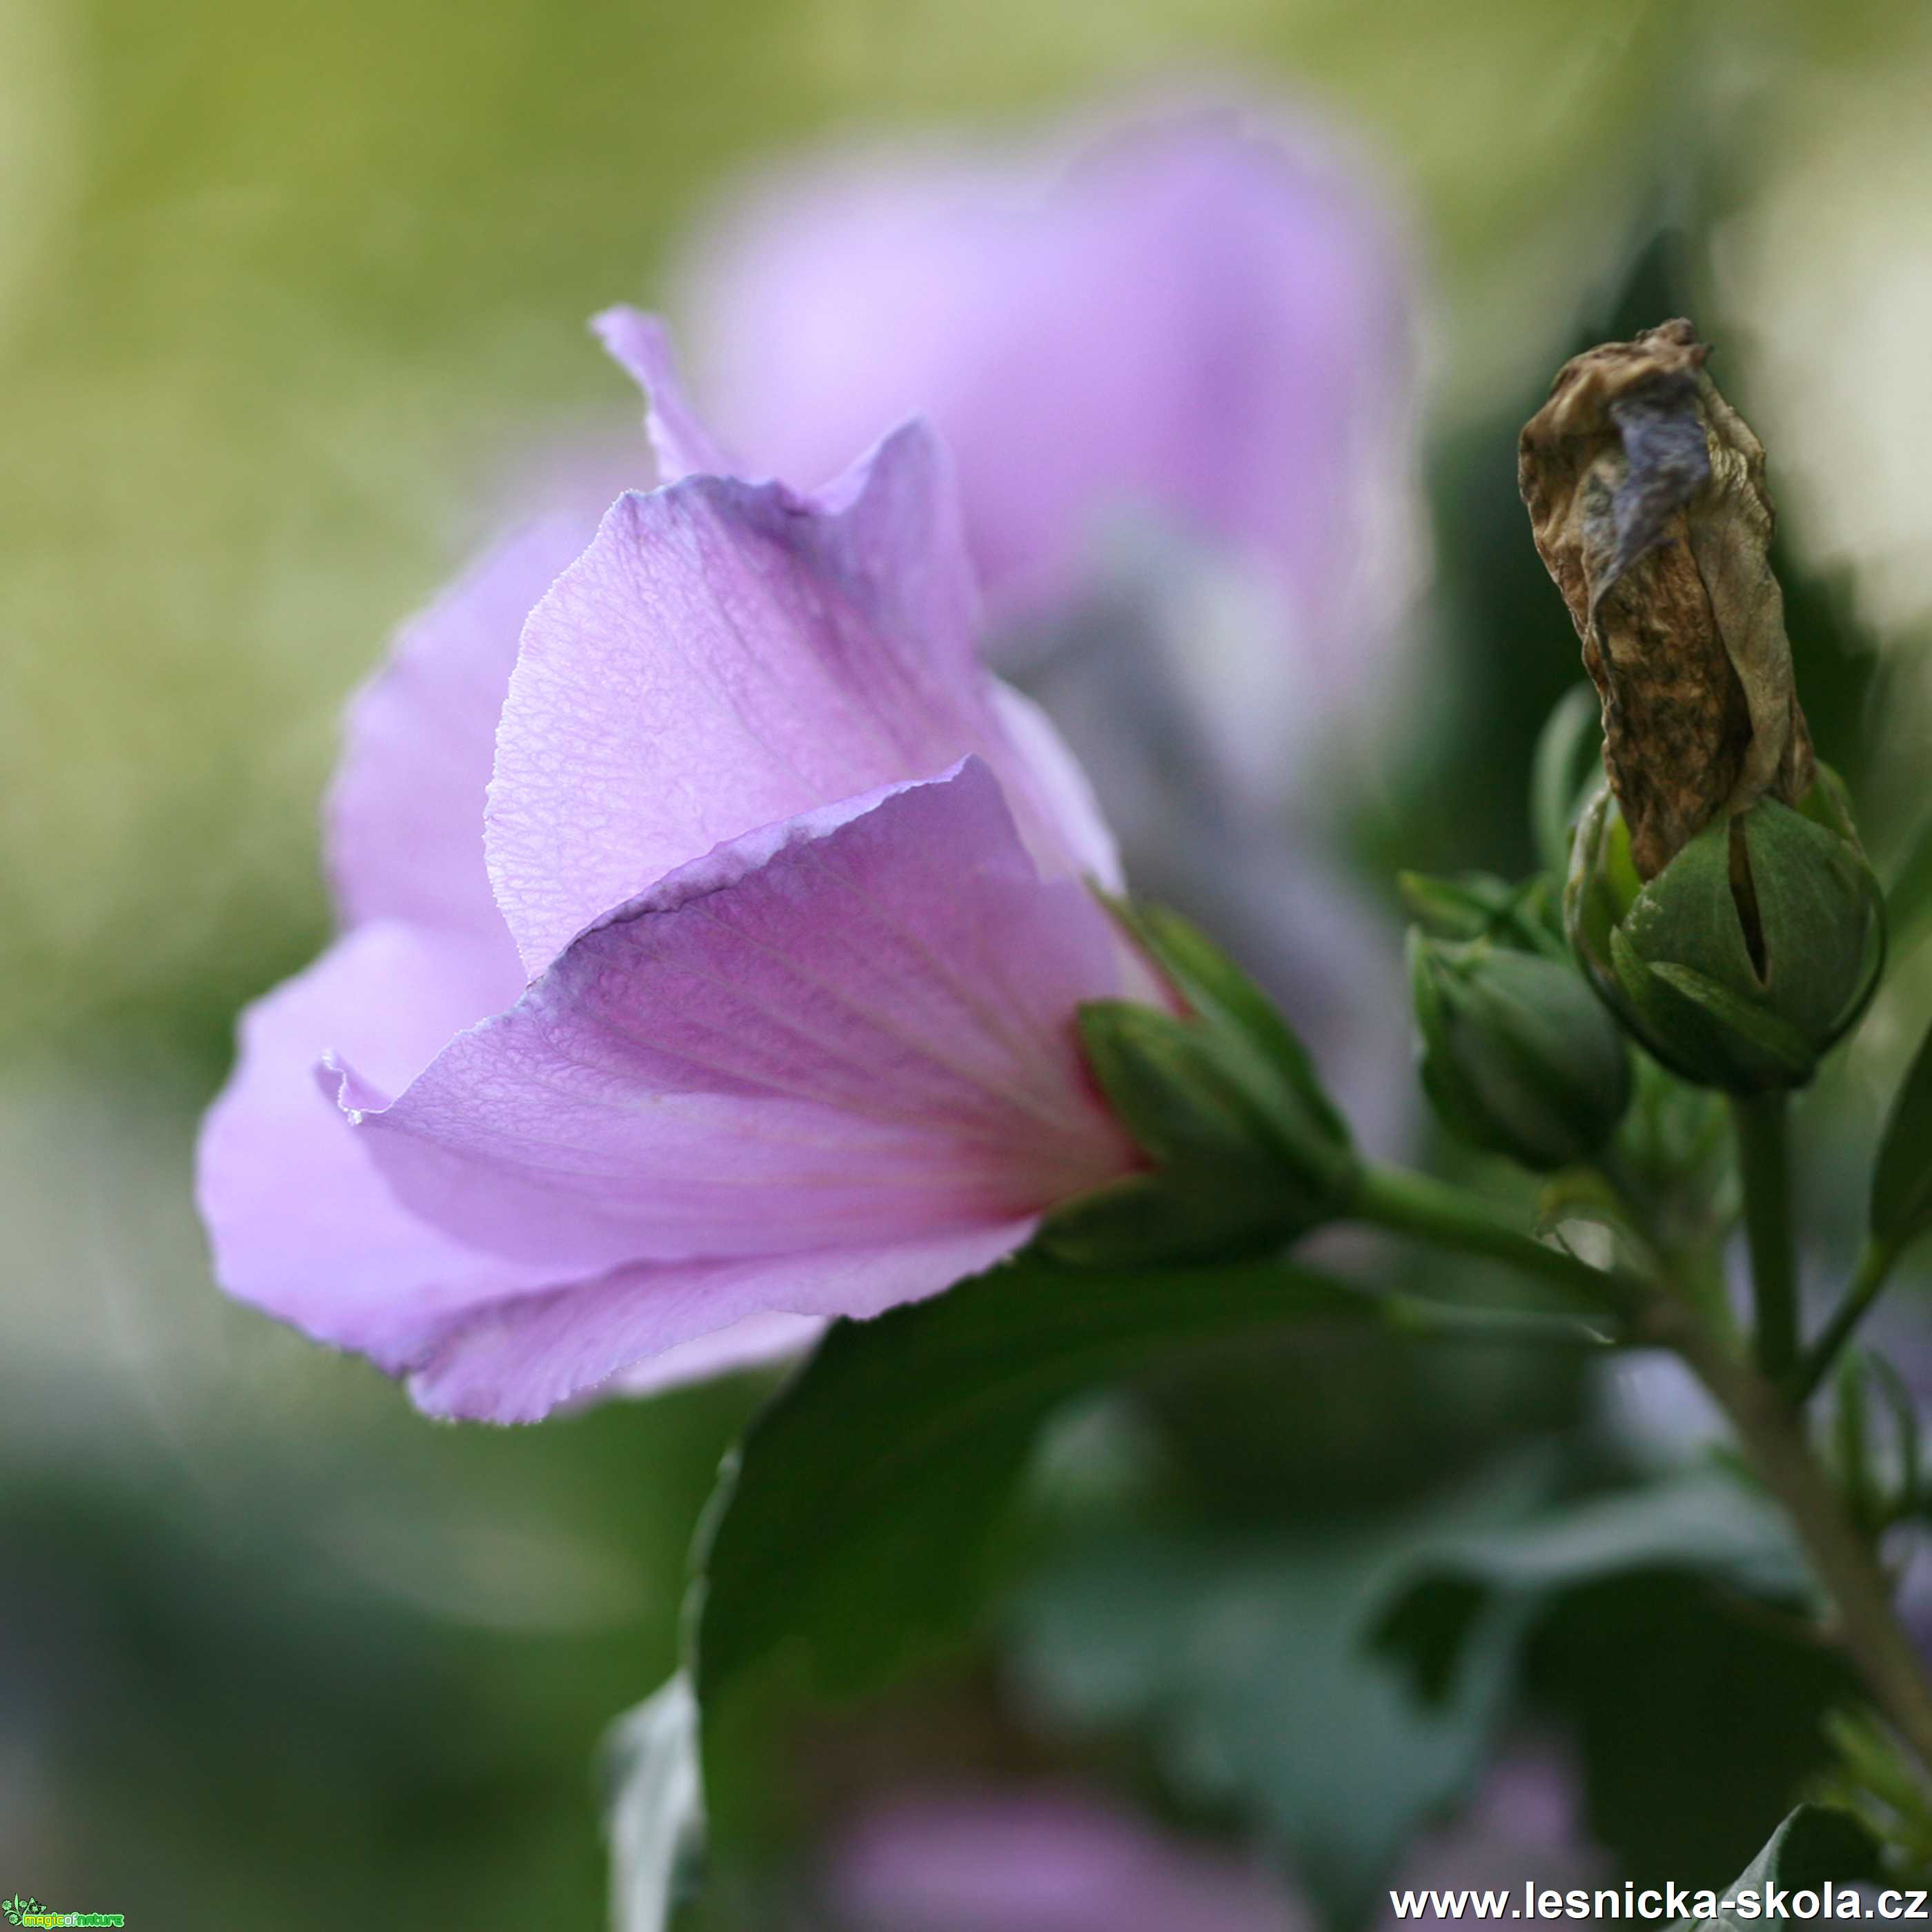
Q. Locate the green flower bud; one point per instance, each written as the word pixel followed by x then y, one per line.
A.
pixel 1750 955
pixel 1718 899
pixel 1517 1055
pixel 1247 1151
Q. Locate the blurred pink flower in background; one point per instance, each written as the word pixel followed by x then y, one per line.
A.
pixel 1172 355
pixel 1040 1862
pixel 1184 317
pixel 1051 1860
pixel 800 894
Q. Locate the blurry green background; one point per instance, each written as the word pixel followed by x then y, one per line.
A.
pixel 288 298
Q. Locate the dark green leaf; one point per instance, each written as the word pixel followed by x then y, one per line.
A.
pixel 1909 902
pixel 1247 1659
pixel 1901 1199
pixel 1566 761
pixel 855 1530
pixel 1456 1577
pixel 1696 1716
pixel 1703 1522
pixel 1816 1843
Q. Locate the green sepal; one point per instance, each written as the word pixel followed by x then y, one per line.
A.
pixel 1478 905
pixel 1174 1083
pixel 1248 1150
pixel 1233 1007
pixel 1821 910
pixel 1779 1042
pixel 1176 1216
pixel 1692 920
pixel 1673 959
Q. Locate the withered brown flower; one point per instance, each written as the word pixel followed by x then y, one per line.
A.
pixel 1646 492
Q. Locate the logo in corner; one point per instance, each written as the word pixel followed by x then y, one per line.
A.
pixel 30 1911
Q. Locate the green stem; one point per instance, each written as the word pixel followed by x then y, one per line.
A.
pixel 1845 1561
pixel 1874 1269
pixel 1421 1315
pixel 1691 1269
pixel 1764 1162
pixel 1770 1432
pixel 1451 1217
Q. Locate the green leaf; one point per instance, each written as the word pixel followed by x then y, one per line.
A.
pixel 1455 1579
pixel 1901 1196
pixel 1604 1581
pixel 1877 1778
pixel 1565 756
pixel 856 1531
pixel 1816 1843
pixel 654 1807
pixel 1703 1522
pixel 1909 902
pixel 1245 1657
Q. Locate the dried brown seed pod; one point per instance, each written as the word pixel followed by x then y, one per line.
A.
pixel 1646 490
